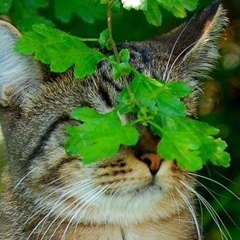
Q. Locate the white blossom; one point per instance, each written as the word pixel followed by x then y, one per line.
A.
pixel 136 4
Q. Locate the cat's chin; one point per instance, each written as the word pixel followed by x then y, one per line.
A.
pixel 146 204
pixel 146 198
pixel 143 204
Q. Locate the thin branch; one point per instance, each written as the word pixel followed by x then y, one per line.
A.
pixel 110 28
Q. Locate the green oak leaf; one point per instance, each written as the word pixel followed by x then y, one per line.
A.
pixel 104 39
pixel 122 69
pixel 100 136
pixel 190 143
pixel 156 97
pixel 61 50
pixel 153 13
pixel 178 7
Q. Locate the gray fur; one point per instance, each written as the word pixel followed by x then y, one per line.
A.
pixel 49 195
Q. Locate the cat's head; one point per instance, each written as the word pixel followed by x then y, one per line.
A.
pixel 136 185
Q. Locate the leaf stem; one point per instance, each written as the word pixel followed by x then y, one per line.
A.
pixel 110 28
pixel 115 50
pixel 113 43
pixel 89 39
pixel 156 126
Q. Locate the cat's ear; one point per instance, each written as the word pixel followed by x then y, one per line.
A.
pixel 193 47
pixel 20 76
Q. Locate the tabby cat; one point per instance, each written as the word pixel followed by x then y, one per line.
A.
pixel 135 195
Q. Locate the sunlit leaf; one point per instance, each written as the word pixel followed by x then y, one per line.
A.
pixel 60 50
pixel 100 136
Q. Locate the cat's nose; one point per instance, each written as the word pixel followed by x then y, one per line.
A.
pixel 153 161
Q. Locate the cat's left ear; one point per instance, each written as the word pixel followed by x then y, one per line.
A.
pixel 20 76
pixel 193 48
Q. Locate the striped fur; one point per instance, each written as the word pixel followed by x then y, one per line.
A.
pixel 48 195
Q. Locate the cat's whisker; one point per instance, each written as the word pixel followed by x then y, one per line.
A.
pixel 201 212
pixel 218 221
pixel 229 180
pixel 79 203
pixel 192 211
pixel 34 213
pixel 39 203
pixel 69 222
pixel 173 48
pixel 176 59
pixel 112 197
pixel 43 220
pixel 218 202
pixel 114 194
pixel 84 184
pixel 22 179
pixel 214 181
pixel 58 203
pixel 64 210
pixel 86 205
pixel 176 204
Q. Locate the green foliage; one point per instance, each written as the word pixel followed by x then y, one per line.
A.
pixel 25 13
pixel 155 104
pixel 88 10
pixel 104 39
pixel 28 12
pixel 176 7
pixel 153 13
pixel 5 6
pixel 161 98
pixel 191 143
pixel 97 133
pixel 130 25
pixel 51 46
pixel 187 141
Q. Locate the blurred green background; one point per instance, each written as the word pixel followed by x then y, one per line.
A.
pixel 220 106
